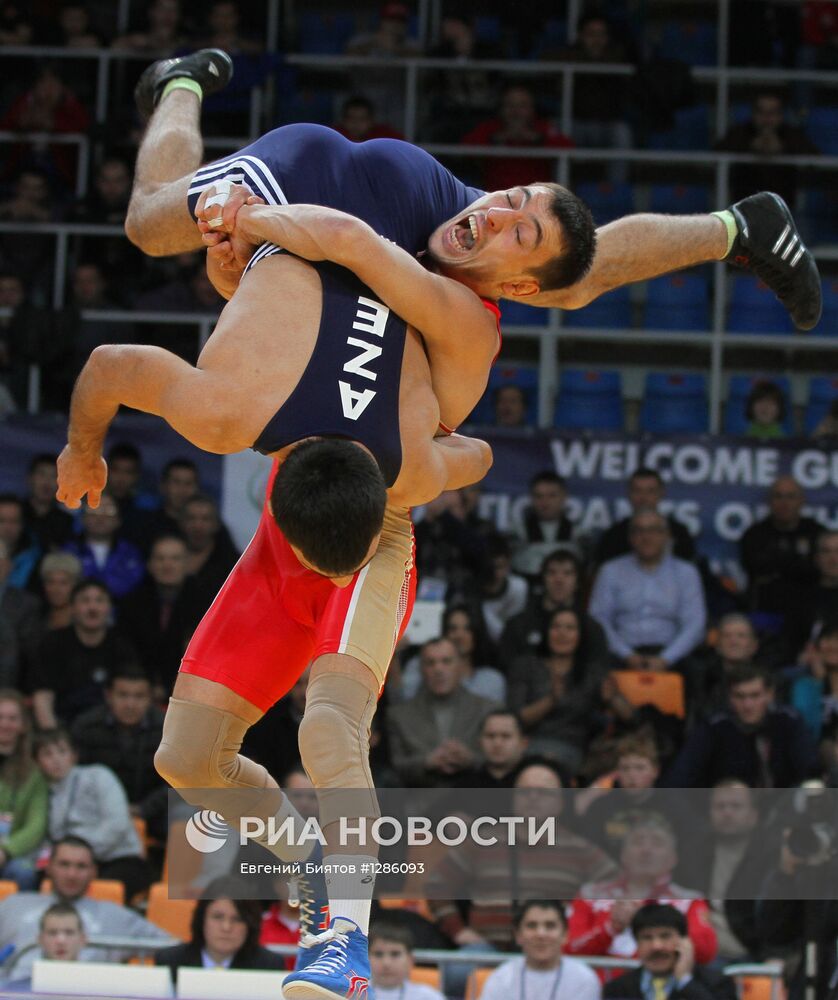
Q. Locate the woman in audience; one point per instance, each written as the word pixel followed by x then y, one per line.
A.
pixel 466 630
pixel 556 692
pixel 60 572
pixel 225 933
pixel 765 411
pixel 23 794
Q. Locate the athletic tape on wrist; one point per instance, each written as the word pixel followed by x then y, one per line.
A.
pixel 219 197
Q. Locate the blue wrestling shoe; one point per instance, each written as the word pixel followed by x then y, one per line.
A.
pixel 341 970
pixel 309 893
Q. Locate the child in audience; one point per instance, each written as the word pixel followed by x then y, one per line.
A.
pixel 391 962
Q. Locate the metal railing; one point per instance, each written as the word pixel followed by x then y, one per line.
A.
pixel 423 956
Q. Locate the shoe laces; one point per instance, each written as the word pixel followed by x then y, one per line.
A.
pixel 301 895
pixel 334 954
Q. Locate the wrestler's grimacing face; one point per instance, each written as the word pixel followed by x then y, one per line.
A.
pixel 501 237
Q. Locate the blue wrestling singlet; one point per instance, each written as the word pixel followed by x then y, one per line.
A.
pixel 396 188
pixel 350 386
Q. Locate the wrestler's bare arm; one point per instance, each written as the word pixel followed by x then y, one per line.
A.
pixel 198 404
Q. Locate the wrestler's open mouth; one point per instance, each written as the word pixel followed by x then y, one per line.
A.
pixel 464 233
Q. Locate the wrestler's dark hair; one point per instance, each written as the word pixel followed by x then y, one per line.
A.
pixel 579 238
pixel 328 499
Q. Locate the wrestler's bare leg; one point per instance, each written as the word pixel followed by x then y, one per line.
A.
pixel 158 219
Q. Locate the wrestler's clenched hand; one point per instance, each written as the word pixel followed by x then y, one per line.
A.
pixel 80 473
pixel 219 204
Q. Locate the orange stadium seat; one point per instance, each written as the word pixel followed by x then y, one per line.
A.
pixel 107 889
pixel 7 887
pixel 172 915
pixel 759 988
pixel 663 689
pixel 413 905
pixel 427 976
pixel 476 982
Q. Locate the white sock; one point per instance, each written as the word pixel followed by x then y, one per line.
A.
pixel 350 893
pixel 284 849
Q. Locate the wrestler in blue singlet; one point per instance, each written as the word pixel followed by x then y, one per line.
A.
pixel 396 188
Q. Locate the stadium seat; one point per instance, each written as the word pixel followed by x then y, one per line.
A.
pixel 107 889
pixel 679 199
pixel 664 689
pixel 100 979
pixel 612 310
pixel 822 128
pixel 819 215
pixel 518 314
pixel 606 200
pixel 755 309
pixel 691 41
pixel 757 988
pixel 525 378
pixel 324 33
pixel 172 915
pixel 739 388
pixel 828 325
pixel 589 400
pixel 476 982
pixel 691 130
pixel 427 976
pixel 822 390
pixel 7 887
pixel 411 905
pixel 679 301
pixel 674 404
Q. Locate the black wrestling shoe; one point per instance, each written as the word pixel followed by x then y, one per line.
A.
pixel 211 68
pixel 769 244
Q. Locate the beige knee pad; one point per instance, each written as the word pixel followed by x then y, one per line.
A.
pixel 200 750
pixel 335 746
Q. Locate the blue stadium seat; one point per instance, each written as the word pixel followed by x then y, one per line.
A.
pixel 822 390
pixel 691 41
pixel 739 388
pixel 324 33
pixel 679 199
pixel 679 301
pixel 755 309
pixel 690 131
pixel 674 404
pixel 551 37
pixel 819 215
pixel 822 128
pixel 589 400
pixel 610 310
pixel 606 200
pixel 487 28
pixel 828 326
pixel 518 314
pixel 520 375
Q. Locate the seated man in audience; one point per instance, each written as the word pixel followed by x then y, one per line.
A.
pixel 178 483
pixel 124 475
pixel 778 552
pixel 650 603
pixel 48 523
pixel 23 549
pixel 20 624
pixel 104 555
pixel 391 962
pixel 210 554
pixel 433 736
pixel 87 801
pixel 737 644
pixel 510 406
pixel 600 921
pixel 667 962
pixel 543 524
pixel 541 933
pixel 123 735
pixel 502 593
pixel 645 492
pixel 812 607
pixel 71 869
pixel 502 747
pixel 61 938
pixel 560 586
pixel 485 874
pixel 72 664
pixel 159 617
pixel 762 744
pixel 734 859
